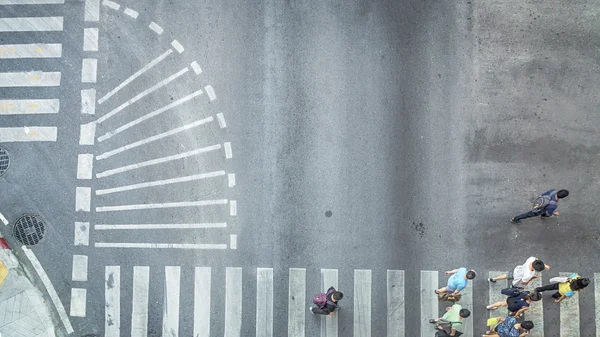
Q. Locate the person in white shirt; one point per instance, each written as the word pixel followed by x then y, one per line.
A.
pixel 523 274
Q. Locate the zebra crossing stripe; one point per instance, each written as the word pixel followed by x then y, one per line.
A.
pixel 112 297
pixel 264 302
pixel 429 301
pixel 597 299
pixel 467 302
pixel 31 24
pixel 32 50
pixel 170 326
pixel 31 2
pixel 297 302
pixel 362 303
pixel 139 304
pixel 29 106
pixel 233 302
pixel 569 314
pixel 329 325
pixel 395 303
pixel 536 312
pixel 202 306
pixel 495 294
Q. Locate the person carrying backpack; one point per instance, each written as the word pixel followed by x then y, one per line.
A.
pixel 517 301
pixel 523 274
pixel 545 205
pixel 448 324
pixel 566 287
pixel 509 327
pixel 327 302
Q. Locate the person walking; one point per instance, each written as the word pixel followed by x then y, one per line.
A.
pixel 523 274
pixel 567 288
pixel 458 281
pixel 452 320
pixel 545 205
pixel 518 303
pixel 327 302
pixel 509 327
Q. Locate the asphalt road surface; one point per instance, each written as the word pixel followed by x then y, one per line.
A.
pixel 217 163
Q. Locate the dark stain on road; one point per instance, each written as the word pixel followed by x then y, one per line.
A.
pixel 328 214
pixel 420 228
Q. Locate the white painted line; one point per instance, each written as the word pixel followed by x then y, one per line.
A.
pixel 157 161
pixel 153 138
pixel 170 326
pixel 90 39
pixel 329 325
pixel 233 302
pixel 163 226
pixel 28 134
pixel 160 245
pixel 196 67
pixel 29 106
pixel 429 301
pixel 82 234
pixel 597 299
pixel 233 241
pixel 395 304
pixel 467 302
pixel 163 205
pixel 536 312
pixel 31 2
pixel 78 300
pixel 569 314
pixel 111 4
pixel 112 305
pixel 362 303
pixel 231 179
pixel 156 28
pixel 495 294
pixel 62 313
pixel 149 115
pixel 80 268
pixel 143 94
pixel 228 152
pixel 131 12
pixel 33 50
pixel 161 182
pixel 177 46
pixel 135 75
pixel 139 303
pixel 87 134
pixel 264 302
pixel 221 120
pixel 89 69
pixel 4 221
pixel 296 302
pixel 31 24
pixel 233 207
pixel 34 78
pixel 201 302
pixel 92 10
pixel 210 92
pixel 83 197
pixel 88 101
pixel 85 163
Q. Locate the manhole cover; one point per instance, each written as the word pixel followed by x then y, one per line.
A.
pixel 4 161
pixel 29 230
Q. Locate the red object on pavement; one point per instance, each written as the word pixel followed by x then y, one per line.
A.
pixel 4 244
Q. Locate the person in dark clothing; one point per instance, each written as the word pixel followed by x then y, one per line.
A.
pixel 545 205
pixel 331 304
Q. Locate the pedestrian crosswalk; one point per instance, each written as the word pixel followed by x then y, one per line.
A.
pixel 31 78
pixel 220 307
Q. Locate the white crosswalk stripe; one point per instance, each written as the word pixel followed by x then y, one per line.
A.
pixel 224 310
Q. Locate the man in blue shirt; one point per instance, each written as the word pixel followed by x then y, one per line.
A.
pixel 545 205
pixel 458 281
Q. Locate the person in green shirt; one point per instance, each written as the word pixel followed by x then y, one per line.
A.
pixel 452 319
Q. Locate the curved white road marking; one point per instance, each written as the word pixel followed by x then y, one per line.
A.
pixel 161 182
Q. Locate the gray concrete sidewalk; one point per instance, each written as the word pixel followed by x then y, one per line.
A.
pixel 23 310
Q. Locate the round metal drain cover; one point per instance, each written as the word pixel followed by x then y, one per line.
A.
pixel 4 161
pixel 29 230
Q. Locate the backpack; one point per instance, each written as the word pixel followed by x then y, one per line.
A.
pixel 511 292
pixel 321 299
pixel 542 201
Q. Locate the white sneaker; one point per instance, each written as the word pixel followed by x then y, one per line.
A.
pixel 310 308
